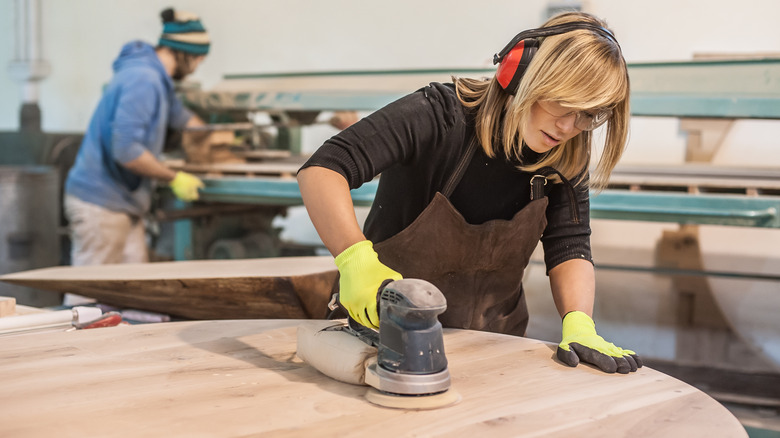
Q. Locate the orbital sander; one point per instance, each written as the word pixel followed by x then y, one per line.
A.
pixel 404 362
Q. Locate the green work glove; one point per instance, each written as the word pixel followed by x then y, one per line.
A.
pixel 582 343
pixel 185 186
pixel 361 276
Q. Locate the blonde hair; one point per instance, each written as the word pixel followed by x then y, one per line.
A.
pixel 580 68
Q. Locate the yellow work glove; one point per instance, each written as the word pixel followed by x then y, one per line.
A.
pixel 581 343
pixel 185 186
pixel 361 277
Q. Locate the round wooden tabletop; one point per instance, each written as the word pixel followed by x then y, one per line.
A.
pixel 242 378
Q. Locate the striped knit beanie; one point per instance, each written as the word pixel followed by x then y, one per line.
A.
pixel 183 31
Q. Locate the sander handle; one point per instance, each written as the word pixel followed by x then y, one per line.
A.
pixel 365 334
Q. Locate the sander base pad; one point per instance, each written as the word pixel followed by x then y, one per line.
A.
pixel 421 402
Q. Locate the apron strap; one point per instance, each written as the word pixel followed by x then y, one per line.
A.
pixel 460 170
pixel 539 181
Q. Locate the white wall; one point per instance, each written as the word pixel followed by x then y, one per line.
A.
pixel 82 37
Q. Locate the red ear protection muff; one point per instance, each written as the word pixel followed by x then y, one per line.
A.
pixel 512 66
pixel 513 59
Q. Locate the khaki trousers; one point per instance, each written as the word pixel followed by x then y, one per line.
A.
pixel 100 236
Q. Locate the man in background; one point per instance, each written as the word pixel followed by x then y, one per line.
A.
pixel 109 187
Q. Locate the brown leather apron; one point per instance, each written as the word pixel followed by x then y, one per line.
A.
pixel 478 268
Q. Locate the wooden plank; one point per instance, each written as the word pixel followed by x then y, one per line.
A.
pixel 242 378
pixel 264 154
pixel 7 306
pixel 285 287
pixel 284 170
pixel 705 178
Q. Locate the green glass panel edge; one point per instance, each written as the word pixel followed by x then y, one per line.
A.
pixel 356 73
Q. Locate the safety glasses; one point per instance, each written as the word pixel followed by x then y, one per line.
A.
pixel 585 120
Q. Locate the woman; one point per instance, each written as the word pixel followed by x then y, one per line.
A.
pixel 474 174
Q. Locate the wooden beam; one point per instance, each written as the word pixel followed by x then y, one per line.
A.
pixel 284 287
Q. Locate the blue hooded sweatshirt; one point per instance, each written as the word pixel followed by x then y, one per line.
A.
pixel 132 116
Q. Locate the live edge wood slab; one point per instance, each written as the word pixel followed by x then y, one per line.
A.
pixel 242 378
pixel 284 287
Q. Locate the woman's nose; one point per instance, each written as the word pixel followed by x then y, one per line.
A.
pixel 566 123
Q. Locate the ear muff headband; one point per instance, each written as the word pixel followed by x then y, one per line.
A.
pixel 514 58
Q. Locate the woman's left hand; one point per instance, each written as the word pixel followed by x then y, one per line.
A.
pixel 581 343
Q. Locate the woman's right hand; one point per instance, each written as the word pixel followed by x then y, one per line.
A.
pixel 361 276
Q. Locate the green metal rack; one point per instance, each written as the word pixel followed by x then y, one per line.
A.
pixel 736 210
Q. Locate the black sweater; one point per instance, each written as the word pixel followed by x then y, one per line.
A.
pixel 416 143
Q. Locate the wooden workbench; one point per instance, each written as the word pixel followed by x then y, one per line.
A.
pixel 242 378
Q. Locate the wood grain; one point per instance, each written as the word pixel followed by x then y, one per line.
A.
pixel 242 378
pixel 285 287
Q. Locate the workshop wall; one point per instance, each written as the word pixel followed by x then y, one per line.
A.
pixel 81 38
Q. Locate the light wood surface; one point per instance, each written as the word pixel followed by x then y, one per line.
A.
pixel 280 169
pixel 283 287
pixel 264 154
pixel 7 306
pixel 242 378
